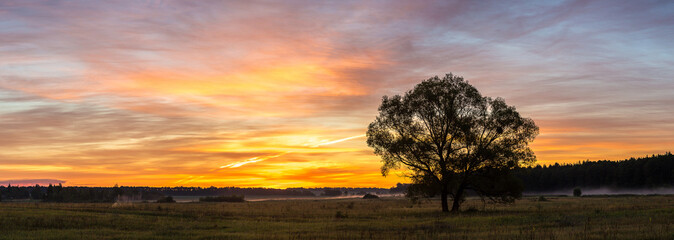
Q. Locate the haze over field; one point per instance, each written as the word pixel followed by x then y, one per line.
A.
pixel 279 94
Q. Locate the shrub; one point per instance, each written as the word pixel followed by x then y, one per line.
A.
pixel 370 196
pixel 339 214
pixel 542 199
pixel 577 192
pixel 233 198
pixel 167 199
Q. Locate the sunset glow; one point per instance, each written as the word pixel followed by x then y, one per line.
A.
pixel 280 94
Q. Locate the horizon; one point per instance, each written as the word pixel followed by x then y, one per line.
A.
pixel 280 94
pixel 46 182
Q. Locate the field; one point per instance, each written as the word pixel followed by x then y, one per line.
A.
pixel 625 217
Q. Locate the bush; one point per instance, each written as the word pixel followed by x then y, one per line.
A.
pixel 233 198
pixel 577 192
pixel 167 199
pixel 339 214
pixel 370 196
pixel 542 199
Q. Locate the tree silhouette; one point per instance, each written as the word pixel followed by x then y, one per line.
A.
pixel 577 192
pixel 650 172
pixel 451 138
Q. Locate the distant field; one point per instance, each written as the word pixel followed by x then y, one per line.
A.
pixel 624 217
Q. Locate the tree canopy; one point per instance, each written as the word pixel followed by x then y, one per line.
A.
pixel 448 136
pixel 649 172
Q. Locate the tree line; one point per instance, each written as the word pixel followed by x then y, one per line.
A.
pixel 59 193
pixel 653 171
pixel 649 172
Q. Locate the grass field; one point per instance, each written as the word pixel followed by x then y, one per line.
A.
pixel 626 217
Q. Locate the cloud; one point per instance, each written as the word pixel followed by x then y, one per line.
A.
pixel 159 91
pixel 30 182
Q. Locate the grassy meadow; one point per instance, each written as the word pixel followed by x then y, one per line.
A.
pixel 625 217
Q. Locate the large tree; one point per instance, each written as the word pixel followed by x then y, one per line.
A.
pixel 449 137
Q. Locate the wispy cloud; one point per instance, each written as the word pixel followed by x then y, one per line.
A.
pixel 253 160
pixel 155 92
pixel 311 145
pixel 30 182
pixel 328 142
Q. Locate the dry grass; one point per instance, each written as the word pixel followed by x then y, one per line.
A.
pixel 627 217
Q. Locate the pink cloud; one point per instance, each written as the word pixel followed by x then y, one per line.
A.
pixel 136 86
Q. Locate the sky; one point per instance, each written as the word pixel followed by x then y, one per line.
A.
pixel 280 93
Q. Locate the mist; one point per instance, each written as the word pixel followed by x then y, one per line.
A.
pixel 607 191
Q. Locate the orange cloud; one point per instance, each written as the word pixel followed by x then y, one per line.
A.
pixel 165 93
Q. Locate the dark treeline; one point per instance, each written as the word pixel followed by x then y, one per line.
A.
pixel 345 191
pixel 220 191
pixel 58 193
pixel 656 171
pixel 649 172
pixel 296 192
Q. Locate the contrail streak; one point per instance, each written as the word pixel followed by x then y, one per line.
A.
pixel 262 158
pixel 253 160
pixel 338 141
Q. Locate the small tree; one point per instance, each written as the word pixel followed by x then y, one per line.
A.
pixel 577 192
pixel 452 139
pixel 370 196
pixel 167 199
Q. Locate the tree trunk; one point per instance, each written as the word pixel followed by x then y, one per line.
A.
pixel 443 195
pixel 457 198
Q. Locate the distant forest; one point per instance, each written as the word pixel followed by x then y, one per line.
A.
pixel 59 193
pixel 656 171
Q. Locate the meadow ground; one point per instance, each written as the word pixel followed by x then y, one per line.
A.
pixel 625 217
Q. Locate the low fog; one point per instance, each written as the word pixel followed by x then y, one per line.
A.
pixel 607 191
